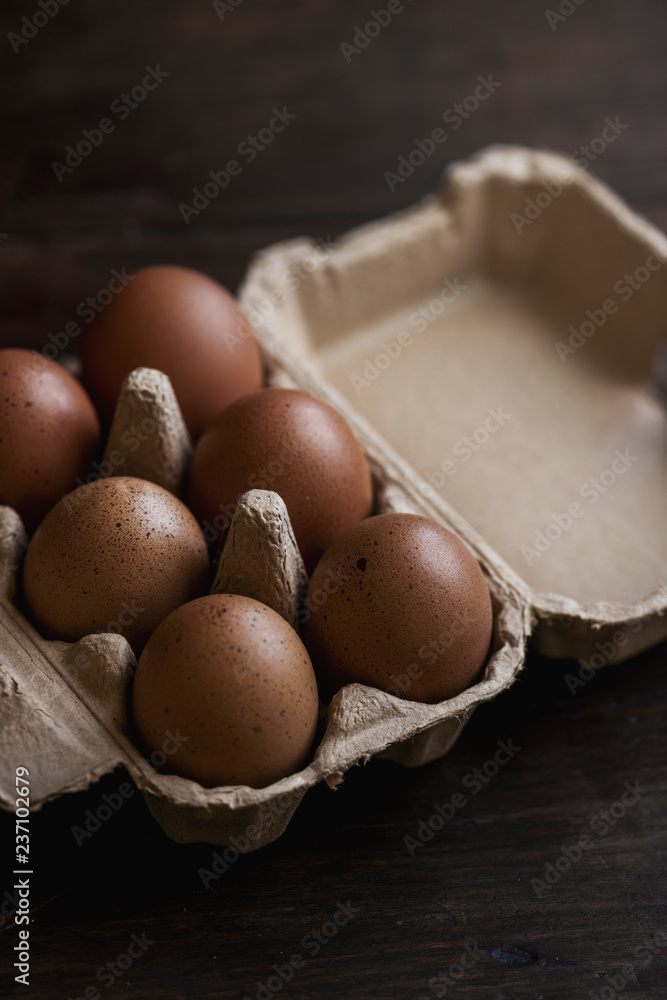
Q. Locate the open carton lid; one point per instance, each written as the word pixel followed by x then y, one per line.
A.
pixel 503 338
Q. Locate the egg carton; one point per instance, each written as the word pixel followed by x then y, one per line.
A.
pixel 505 260
pixel 64 711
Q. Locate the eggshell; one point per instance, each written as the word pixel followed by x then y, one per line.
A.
pixel 49 433
pixel 116 555
pixel 236 682
pixel 289 442
pixel 400 603
pixel 182 323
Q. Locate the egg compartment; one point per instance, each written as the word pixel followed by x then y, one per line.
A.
pixel 64 711
pixel 504 339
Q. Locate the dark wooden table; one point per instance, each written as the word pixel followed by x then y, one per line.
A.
pixel 460 916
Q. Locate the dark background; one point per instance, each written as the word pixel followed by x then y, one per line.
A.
pixel 322 175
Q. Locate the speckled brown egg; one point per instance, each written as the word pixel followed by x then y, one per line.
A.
pixel 289 442
pixel 116 555
pixel 234 679
pixel 49 433
pixel 186 325
pixel 401 604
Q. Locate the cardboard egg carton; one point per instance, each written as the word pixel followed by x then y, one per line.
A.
pixel 64 714
pixel 450 315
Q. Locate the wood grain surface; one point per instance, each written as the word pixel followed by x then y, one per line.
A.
pixel 502 902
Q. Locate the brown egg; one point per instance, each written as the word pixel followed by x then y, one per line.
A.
pixel 289 442
pixel 398 603
pixel 49 433
pixel 116 555
pixel 234 679
pixel 182 323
